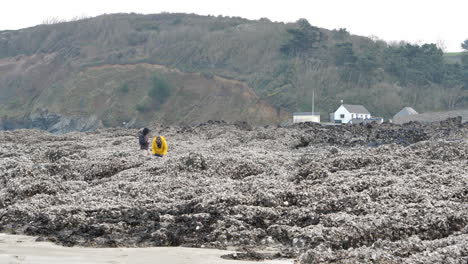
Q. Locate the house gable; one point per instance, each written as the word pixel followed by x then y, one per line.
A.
pixel 346 113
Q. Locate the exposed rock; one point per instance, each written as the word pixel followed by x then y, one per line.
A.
pixel 52 122
pixel 193 161
pixel 373 194
pixel 334 151
pixel 252 256
pixel 243 125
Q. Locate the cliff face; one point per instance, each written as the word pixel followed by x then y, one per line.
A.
pixel 57 100
pixel 53 123
pixel 105 71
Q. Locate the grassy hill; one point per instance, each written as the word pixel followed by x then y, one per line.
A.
pixel 184 68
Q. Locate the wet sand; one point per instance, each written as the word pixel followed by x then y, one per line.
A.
pixel 23 249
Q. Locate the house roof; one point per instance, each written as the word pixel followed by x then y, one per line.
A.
pixel 359 109
pixel 406 111
pixel 305 113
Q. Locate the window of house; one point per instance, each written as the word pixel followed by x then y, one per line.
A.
pixel 342 116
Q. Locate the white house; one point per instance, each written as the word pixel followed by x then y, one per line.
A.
pixel 306 117
pixel 347 112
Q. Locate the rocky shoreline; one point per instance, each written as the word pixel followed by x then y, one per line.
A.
pixel 51 122
pixel 322 194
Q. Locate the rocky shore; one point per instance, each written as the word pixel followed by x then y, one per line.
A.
pixel 321 194
pixel 51 122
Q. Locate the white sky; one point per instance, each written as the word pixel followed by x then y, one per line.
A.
pixel 416 21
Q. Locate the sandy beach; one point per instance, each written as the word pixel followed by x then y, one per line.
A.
pixel 24 249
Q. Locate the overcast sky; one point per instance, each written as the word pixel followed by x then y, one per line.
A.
pixel 416 21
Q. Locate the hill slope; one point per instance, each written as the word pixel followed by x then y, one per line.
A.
pixel 179 68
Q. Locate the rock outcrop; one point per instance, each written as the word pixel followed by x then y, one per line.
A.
pixel 53 123
pixel 322 194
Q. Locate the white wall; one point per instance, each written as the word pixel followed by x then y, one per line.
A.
pixel 361 116
pixel 347 115
pixel 306 118
pixel 342 111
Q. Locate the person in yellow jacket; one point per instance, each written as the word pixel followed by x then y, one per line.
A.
pixel 159 146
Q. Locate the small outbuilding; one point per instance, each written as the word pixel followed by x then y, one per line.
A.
pixel 406 111
pixel 301 117
pixel 347 112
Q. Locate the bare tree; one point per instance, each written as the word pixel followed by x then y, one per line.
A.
pixel 374 38
pixel 53 20
pixel 80 17
pixel 453 96
pixel 464 45
pixel 440 43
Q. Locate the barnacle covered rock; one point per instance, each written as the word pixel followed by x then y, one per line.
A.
pixel 323 194
pixel 192 162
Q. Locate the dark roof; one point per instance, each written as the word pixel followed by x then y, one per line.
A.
pixel 305 113
pixel 359 109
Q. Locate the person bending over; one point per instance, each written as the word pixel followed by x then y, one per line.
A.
pixel 159 146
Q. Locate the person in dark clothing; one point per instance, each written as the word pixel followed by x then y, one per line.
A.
pixel 143 140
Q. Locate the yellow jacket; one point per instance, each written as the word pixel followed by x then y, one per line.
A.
pixel 159 151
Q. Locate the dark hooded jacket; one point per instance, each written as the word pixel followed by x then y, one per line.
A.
pixel 143 139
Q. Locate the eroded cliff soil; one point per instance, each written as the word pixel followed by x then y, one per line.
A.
pixel 321 194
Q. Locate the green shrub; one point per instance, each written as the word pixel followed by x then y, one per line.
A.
pixel 124 88
pixel 160 89
pixel 208 75
pixel 177 21
pixel 142 108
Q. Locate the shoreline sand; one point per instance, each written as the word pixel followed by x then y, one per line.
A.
pixel 16 249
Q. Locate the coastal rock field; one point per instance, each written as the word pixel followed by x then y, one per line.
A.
pixel 320 194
